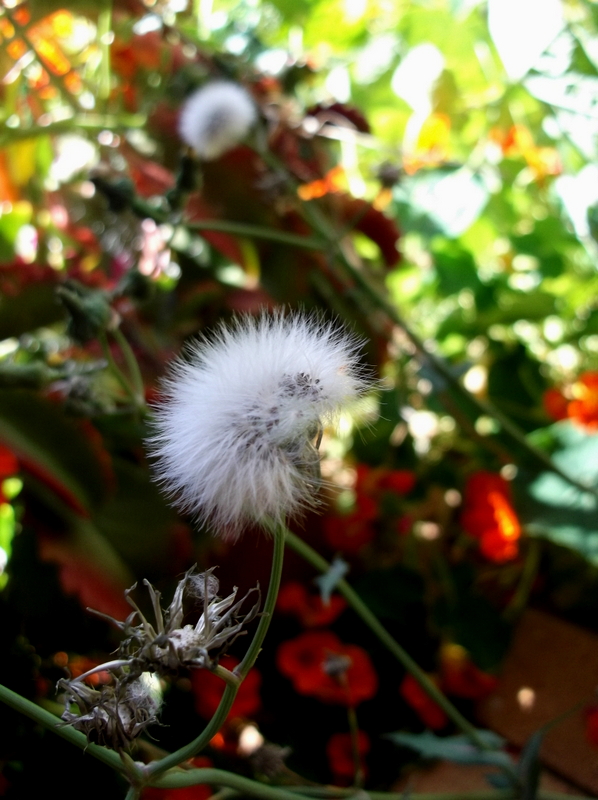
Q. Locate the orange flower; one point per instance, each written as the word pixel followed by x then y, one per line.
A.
pixel 309 609
pixel 489 516
pixel 583 409
pixel 429 712
pixel 340 755
pixel 555 404
pixel 459 675
pixel 577 401
pixel 518 142
pixel 321 666
pixel 208 690
pixel 333 181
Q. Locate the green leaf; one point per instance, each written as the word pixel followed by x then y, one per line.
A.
pixel 529 766
pixel 451 199
pixel 557 510
pixel 458 749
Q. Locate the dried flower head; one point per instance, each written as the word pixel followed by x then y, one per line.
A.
pixel 237 431
pixel 216 118
pixel 167 645
pixel 115 714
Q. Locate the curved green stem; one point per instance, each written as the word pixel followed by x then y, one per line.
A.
pixel 214 725
pixel 249 788
pixel 115 369
pixel 357 604
pixel 258 232
pixel 54 724
pixel 132 366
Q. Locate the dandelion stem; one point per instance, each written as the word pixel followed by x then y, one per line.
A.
pixel 357 604
pixel 354 733
pixel 54 724
pixel 250 788
pixel 214 725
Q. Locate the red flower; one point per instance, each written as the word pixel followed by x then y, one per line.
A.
pixel 321 666
pixel 340 755
pixel 208 690
pixel 460 677
pixel 309 609
pixel 400 481
pixel 350 532
pixel 429 712
pixel 489 516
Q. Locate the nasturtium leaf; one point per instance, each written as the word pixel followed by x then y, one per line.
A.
pixel 452 199
pixel 555 508
pixel 458 749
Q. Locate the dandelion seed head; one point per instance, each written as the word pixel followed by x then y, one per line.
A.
pixel 216 118
pixel 236 431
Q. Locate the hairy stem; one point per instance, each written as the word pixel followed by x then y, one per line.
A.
pixel 54 724
pixel 214 725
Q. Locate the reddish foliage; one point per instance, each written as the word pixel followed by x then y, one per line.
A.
pixel 334 113
pixel 208 690
pixel 429 712
pixel 489 516
pixel 340 755
pixel 142 52
pixel 199 211
pixel 80 576
pixel 305 661
pixel 382 230
pixel 309 609
pixel 460 677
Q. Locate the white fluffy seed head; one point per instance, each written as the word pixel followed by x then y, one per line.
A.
pixel 216 118
pixel 234 432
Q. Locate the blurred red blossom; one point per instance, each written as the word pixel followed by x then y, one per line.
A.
pixel 310 610
pixel 208 690
pixel 320 665
pixel 489 516
pixel 350 532
pixel 340 755
pixel 430 713
pixel 460 677
pixel 577 401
